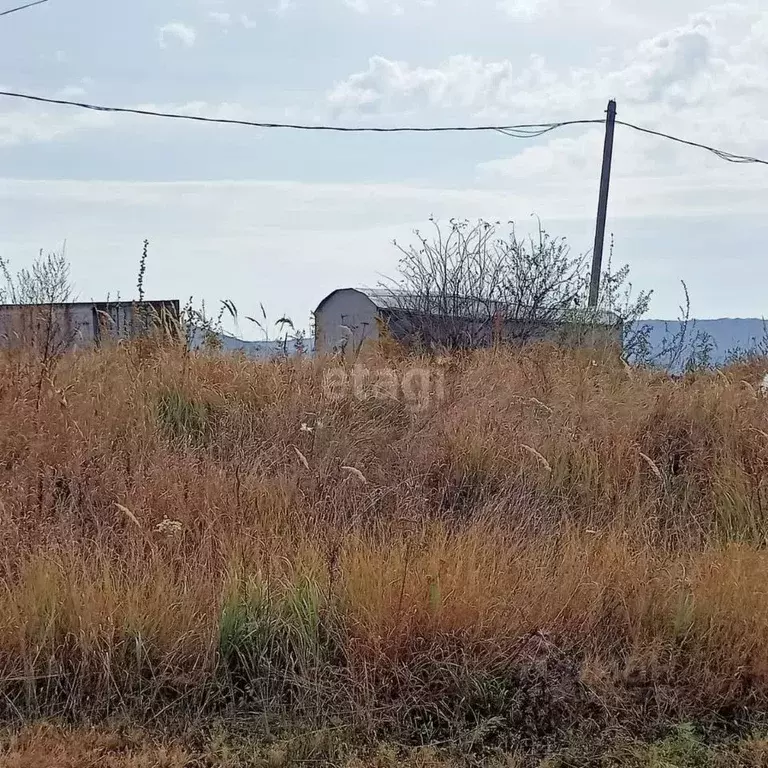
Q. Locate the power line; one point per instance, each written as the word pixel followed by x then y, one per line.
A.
pixel 529 130
pixel 532 132
pixel 721 153
pixel 23 7
pixel 522 131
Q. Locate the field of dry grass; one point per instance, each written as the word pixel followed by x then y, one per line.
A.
pixel 48 746
pixel 552 549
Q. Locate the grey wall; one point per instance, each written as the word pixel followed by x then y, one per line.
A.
pixel 60 327
pixel 345 307
pixel 64 327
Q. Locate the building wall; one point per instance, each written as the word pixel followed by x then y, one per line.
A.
pixel 341 310
pixel 65 327
pixel 125 320
pixel 59 327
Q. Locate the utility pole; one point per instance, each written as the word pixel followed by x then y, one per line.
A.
pixel 602 205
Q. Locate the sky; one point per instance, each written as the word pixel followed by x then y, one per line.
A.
pixel 282 218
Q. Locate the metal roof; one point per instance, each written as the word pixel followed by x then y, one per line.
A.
pixel 394 300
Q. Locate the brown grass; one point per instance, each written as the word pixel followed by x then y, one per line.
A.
pixel 50 746
pixel 559 544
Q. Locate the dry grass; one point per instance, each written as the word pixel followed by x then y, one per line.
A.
pixel 50 746
pixel 57 746
pixel 559 545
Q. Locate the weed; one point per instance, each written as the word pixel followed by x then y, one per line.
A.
pixel 184 419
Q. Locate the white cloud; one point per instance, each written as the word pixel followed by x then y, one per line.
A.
pixel 388 86
pixel 676 66
pixel 693 82
pixel 222 18
pixel 522 9
pixel 71 92
pixel 38 124
pixel 706 80
pixel 597 12
pixel 282 7
pixel 33 126
pixel 75 90
pixel 390 7
pixel 179 31
pixel 712 67
pixel 247 21
pixel 649 175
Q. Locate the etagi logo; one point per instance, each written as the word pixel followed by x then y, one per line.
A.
pixel 418 388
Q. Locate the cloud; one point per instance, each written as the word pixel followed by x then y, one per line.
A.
pixel 75 90
pixel 34 124
pixel 522 9
pixel 281 8
pixel 691 81
pixel 675 66
pixel 642 165
pixel 706 78
pixel 462 82
pixel 683 64
pixel 611 12
pixel 71 92
pixel 178 31
pixel 390 7
pixel 221 18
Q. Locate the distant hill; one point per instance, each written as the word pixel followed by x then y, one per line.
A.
pixel 262 350
pixel 727 335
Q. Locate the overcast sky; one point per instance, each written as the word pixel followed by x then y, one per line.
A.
pixel 283 218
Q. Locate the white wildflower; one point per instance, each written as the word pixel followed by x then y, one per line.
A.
pixel 169 527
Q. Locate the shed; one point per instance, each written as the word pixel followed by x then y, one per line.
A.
pixel 347 317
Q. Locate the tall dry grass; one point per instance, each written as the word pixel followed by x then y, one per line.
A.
pixel 560 542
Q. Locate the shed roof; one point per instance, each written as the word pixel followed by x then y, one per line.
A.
pixel 395 299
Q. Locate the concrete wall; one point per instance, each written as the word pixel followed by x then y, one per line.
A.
pixel 345 308
pixel 58 327
pixel 65 327
pixel 126 320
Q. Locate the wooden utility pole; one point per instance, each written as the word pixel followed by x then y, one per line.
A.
pixel 602 205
